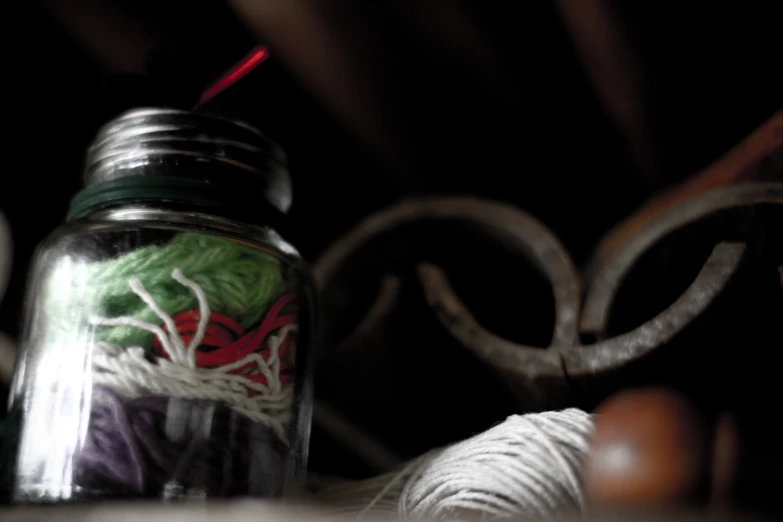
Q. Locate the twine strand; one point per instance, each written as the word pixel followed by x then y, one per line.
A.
pixel 529 465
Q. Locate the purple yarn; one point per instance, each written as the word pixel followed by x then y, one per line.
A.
pixel 111 444
pixel 151 445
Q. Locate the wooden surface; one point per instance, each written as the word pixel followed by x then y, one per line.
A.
pixel 253 512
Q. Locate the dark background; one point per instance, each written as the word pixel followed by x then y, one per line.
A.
pixel 531 131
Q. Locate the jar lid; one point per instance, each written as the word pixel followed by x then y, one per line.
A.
pixel 168 154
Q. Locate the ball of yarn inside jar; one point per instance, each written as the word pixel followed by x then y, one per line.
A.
pixel 181 447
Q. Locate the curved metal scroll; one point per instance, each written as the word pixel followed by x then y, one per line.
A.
pixel 614 353
pixel 709 284
pixel 520 230
pixel 375 354
pixel 608 272
pixel 526 368
pixel 513 358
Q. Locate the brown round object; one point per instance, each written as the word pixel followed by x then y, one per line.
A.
pixel 648 449
pixel 725 459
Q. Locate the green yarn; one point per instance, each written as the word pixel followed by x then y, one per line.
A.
pixel 239 282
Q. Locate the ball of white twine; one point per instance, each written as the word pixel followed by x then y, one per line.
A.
pixel 529 465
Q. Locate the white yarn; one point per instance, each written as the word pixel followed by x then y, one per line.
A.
pixel 528 465
pixel 127 372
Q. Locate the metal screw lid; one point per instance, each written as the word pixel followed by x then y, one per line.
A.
pixel 185 145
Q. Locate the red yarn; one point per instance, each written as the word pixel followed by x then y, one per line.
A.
pixel 224 344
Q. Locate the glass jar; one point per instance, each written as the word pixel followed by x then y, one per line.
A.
pixel 165 346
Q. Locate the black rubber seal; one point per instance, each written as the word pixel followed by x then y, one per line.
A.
pixel 246 204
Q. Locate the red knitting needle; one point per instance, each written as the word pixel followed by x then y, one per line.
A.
pixel 248 63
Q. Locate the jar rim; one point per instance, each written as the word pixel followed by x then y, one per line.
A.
pixel 216 154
